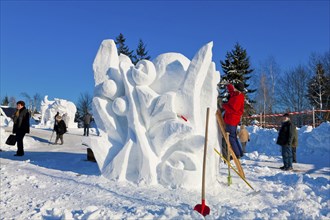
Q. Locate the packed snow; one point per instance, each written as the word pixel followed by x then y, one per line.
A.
pixel 57 182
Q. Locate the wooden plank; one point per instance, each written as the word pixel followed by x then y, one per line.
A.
pixel 221 124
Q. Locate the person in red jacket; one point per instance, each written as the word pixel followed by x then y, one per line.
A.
pixel 234 109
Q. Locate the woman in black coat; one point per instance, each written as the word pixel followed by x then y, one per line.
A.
pixel 21 126
pixel 60 129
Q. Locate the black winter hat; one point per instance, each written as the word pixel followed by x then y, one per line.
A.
pixel 239 86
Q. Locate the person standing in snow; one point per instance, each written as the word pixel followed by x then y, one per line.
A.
pixel 244 137
pixel 87 120
pixel 21 126
pixel 234 109
pixel 65 118
pixel 294 144
pixel 285 139
pixel 60 129
pixel 55 122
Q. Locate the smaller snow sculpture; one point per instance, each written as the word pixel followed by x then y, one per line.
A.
pixel 50 108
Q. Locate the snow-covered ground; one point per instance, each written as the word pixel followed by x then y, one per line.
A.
pixel 57 182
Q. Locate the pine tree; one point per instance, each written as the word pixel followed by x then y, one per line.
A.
pixel 141 53
pixel 83 105
pixel 318 92
pixel 5 101
pixel 236 66
pixel 122 48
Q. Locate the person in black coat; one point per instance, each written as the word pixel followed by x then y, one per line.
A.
pixel 60 129
pixel 285 139
pixel 21 119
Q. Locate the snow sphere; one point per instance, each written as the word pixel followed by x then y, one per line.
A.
pixel 119 106
pixel 109 89
pixel 144 73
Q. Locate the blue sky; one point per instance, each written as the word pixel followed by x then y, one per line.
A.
pixel 48 47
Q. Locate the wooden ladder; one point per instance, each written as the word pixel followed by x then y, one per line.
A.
pixel 225 134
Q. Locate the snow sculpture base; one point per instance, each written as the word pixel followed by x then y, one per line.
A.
pixel 152 117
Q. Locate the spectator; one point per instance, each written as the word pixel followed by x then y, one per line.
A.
pixel 285 139
pixel 294 144
pixel 21 126
pixel 87 120
pixel 65 119
pixel 60 129
pixel 244 137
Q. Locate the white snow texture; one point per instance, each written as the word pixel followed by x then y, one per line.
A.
pixel 138 110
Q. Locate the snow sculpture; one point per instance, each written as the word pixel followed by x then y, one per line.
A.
pixel 136 109
pixel 49 109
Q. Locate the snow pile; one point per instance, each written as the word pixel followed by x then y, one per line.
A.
pixel 311 141
pixel 138 110
pixel 49 109
pixel 319 140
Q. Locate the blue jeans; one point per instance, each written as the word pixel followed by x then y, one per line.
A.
pixel 234 141
pixel 287 156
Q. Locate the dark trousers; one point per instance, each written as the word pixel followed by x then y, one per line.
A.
pixel 234 141
pixel 19 141
pixel 294 154
pixel 86 129
pixel 59 137
pixel 287 156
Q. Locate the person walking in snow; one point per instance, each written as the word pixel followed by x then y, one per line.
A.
pixel 294 144
pixel 21 119
pixel 234 109
pixel 285 139
pixel 60 129
pixel 244 137
pixel 55 122
pixel 87 120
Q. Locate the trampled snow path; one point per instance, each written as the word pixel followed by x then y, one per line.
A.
pixel 56 182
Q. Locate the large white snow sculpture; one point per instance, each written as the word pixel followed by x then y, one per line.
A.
pixel 49 109
pixel 136 109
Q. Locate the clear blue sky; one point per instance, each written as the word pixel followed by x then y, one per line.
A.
pixel 48 47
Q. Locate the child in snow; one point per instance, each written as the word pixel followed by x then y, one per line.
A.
pixel 244 137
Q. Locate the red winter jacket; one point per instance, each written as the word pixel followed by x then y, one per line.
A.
pixel 234 108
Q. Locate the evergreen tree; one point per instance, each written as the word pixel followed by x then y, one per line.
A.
pixel 122 48
pixel 84 104
pixel 5 101
pixel 318 92
pixel 141 53
pixel 236 66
